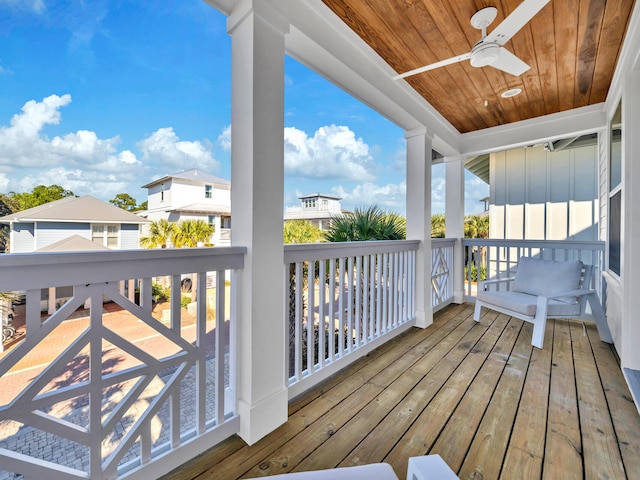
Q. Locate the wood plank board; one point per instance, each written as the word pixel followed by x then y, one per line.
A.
pixel 563 448
pixel 473 393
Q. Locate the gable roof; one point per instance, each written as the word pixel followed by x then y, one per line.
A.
pixel 193 175
pixel 74 243
pixel 75 209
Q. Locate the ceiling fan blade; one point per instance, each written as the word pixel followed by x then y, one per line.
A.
pixel 509 63
pixel 514 22
pixel 432 66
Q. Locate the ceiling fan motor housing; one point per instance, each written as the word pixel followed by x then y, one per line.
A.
pixel 484 54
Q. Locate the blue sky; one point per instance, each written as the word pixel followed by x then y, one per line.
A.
pixel 104 96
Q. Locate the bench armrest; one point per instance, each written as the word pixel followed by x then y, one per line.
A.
pixel 578 292
pixel 495 281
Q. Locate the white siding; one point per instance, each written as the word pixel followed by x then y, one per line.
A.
pixel 48 233
pixel 541 195
pixel 129 237
pixel 22 238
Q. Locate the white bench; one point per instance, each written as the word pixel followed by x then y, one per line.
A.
pixel 428 467
pixel 544 289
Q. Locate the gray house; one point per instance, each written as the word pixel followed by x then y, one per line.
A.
pixel 102 223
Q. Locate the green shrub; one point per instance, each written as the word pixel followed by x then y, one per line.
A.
pixel 185 300
pixel 474 272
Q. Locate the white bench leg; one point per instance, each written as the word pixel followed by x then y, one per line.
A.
pixel 539 323
pixel 601 320
pixel 429 467
pixel 477 311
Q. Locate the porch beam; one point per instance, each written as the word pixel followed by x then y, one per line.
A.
pixel 419 147
pixel 257 191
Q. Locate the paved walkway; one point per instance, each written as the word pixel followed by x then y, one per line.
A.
pixel 25 439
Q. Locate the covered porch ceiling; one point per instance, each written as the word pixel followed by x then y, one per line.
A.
pixel 571 46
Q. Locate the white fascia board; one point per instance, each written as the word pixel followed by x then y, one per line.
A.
pixel 537 130
pixel 324 43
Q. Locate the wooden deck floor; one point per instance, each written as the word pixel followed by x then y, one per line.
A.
pixel 477 394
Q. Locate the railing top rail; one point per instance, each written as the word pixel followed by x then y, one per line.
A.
pixel 325 251
pixel 444 241
pixel 565 244
pixel 23 271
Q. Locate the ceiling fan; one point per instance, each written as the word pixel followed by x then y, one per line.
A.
pixel 489 50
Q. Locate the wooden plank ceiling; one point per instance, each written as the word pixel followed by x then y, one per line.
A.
pixel 571 45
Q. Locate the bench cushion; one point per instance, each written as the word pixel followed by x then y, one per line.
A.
pixel 525 304
pixel 547 277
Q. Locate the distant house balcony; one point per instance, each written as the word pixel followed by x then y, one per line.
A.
pixel 127 390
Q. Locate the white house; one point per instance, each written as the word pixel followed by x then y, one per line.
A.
pixel 192 194
pixel 37 228
pixel 316 208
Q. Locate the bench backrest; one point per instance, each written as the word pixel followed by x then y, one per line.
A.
pixel 548 277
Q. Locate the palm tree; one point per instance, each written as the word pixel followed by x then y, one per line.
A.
pixel 366 224
pixel 476 226
pixel 191 232
pixel 161 232
pixel 438 225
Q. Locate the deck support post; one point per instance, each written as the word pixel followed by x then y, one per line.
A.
pixel 454 214
pixel 419 143
pixel 257 196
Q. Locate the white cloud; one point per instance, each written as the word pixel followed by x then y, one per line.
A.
pixel 332 153
pixel 165 147
pixel 24 145
pixel 391 196
pixel 224 139
pixel 36 6
pixel 81 161
pixel 5 71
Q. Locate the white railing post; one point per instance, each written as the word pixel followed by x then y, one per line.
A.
pixel 419 153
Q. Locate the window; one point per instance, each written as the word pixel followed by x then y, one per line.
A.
pixel 615 190
pixel 324 205
pixel 211 219
pixel 105 234
pixel 309 203
pixel 162 192
pixel 208 191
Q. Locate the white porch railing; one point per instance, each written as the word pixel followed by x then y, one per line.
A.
pixel 127 399
pixel 363 294
pixel 493 258
pixel 442 272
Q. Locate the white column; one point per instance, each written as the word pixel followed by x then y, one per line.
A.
pixel 257 191
pixel 454 214
pixel 419 217
pixel 630 254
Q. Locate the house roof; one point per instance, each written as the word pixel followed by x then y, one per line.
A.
pixel 320 195
pixel 75 209
pixel 203 208
pixel 193 175
pixel 74 243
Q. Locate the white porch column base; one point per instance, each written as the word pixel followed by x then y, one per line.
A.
pixel 454 214
pixel 256 419
pixel 419 217
pixel 257 197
